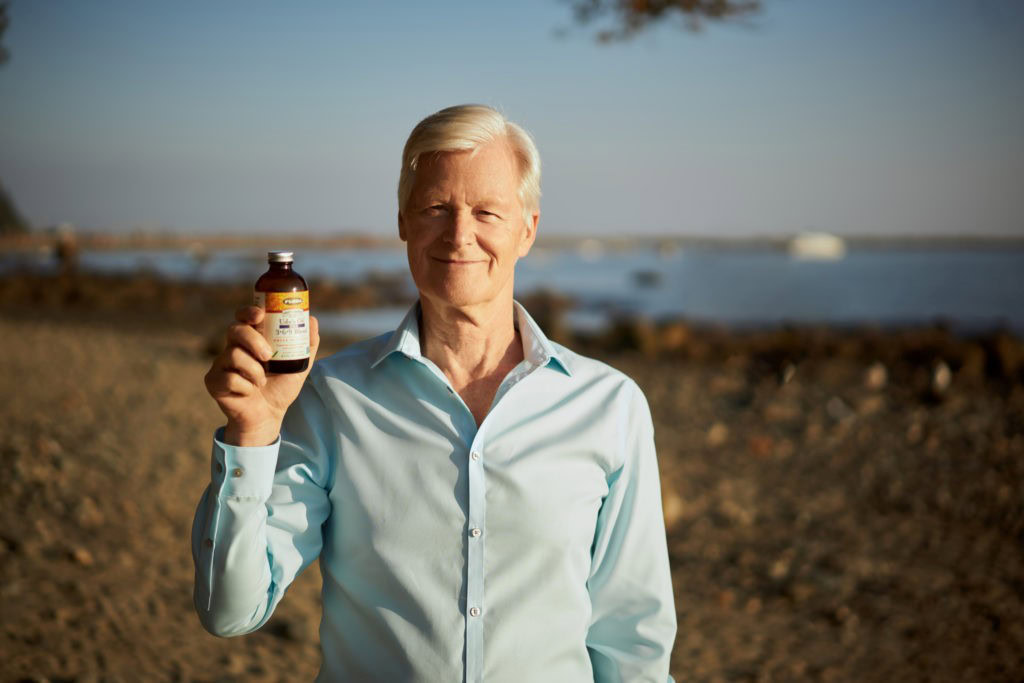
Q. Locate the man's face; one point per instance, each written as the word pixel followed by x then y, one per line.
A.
pixel 463 225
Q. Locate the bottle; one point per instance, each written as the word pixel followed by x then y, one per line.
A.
pixel 284 297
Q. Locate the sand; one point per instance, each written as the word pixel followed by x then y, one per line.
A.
pixel 840 507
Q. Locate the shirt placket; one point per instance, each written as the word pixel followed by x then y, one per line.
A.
pixel 475 603
pixel 476 608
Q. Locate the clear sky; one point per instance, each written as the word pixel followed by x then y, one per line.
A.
pixel 901 117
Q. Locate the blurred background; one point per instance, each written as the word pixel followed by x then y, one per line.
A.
pixel 797 224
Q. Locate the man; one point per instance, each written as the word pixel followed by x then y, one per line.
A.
pixel 485 503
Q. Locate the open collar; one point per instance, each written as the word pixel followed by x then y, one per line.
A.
pixel 537 348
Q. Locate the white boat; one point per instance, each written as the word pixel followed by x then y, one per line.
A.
pixel 817 246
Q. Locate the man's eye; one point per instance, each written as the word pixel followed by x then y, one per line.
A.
pixel 435 210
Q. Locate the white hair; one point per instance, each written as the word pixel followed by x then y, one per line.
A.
pixel 468 127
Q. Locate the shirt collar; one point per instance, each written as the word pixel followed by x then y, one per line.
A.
pixel 537 348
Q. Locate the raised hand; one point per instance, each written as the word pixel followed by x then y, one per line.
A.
pixel 253 400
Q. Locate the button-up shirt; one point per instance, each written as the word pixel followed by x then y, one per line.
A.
pixel 528 548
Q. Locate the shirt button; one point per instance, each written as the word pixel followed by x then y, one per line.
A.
pixel 476 532
pixel 208 543
pixel 220 468
pixel 474 611
pixel 475 455
pixel 237 472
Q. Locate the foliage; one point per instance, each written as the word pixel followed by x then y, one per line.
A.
pixel 629 17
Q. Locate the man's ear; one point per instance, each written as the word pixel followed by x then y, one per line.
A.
pixel 529 234
pixel 401 227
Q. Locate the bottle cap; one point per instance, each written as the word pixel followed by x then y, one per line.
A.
pixel 280 256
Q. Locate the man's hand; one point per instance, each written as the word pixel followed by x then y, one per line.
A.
pixel 254 401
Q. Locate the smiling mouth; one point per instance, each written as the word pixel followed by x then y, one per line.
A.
pixel 455 262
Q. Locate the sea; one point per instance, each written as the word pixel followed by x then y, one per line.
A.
pixel 970 289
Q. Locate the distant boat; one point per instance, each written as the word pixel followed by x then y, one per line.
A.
pixel 817 246
pixel 647 278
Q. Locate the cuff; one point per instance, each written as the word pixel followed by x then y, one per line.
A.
pixel 243 472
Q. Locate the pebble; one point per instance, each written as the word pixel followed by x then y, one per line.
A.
pixel 941 378
pixel 876 377
pixel 82 556
pixel 838 410
pixel 717 435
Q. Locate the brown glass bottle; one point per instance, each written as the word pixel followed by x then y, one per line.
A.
pixel 284 296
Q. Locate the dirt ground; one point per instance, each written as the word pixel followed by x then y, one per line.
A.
pixel 840 507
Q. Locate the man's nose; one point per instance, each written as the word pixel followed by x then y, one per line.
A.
pixel 461 228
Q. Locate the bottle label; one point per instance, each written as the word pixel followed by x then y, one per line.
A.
pixel 286 323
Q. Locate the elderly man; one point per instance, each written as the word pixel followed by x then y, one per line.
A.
pixel 484 502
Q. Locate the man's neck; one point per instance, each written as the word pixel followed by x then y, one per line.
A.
pixel 470 344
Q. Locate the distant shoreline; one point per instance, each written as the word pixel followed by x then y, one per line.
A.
pixel 138 240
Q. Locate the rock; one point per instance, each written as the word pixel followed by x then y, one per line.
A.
pixel 717 435
pixel 941 378
pixel 838 410
pixel 780 567
pixel 876 377
pixel 788 373
pixel 81 556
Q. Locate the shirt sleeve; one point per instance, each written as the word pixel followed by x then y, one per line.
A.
pixel 633 621
pixel 258 524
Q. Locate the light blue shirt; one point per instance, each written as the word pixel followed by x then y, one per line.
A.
pixel 529 549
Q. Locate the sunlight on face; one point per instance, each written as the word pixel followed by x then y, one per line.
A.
pixel 463 226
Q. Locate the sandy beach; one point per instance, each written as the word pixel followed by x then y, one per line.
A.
pixel 842 505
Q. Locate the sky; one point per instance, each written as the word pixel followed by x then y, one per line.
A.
pixel 857 118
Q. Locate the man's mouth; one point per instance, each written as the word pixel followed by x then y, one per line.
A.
pixel 456 261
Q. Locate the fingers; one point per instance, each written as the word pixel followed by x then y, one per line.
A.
pixel 246 337
pixel 249 315
pixel 235 372
pixel 240 362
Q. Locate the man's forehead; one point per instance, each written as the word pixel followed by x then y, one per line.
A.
pixel 493 164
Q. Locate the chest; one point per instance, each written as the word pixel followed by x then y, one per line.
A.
pixel 412 483
pixel 478 396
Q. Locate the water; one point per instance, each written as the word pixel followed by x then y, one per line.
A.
pixel 968 288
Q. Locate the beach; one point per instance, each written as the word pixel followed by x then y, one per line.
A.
pixel 841 504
